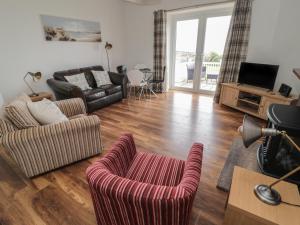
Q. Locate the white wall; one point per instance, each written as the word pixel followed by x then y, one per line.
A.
pixel 274 36
pixel 23 47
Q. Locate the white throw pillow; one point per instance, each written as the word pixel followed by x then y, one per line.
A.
pixel 102 78
pixel 46 112
pixel 78 80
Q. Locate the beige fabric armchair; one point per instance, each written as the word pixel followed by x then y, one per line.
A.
pixel 43 148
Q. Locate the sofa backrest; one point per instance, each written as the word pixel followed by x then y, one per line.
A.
pixel 60 75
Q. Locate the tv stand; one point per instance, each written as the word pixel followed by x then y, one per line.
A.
pixel 252 100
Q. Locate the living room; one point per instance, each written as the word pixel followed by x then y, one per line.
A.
pixel 49 170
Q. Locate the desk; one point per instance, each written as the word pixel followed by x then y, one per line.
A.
pixel 244 208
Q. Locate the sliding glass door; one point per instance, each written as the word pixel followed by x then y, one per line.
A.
pixel 197 45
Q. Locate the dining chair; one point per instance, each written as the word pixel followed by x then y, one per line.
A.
pixel 136 80
pixel 159 82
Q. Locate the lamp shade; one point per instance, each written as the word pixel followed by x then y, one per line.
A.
pixel 35 76
pixel 250 131
pixel 108 46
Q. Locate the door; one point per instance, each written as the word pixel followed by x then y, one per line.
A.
pixel 197 45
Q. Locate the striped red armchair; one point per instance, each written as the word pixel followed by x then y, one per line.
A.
pixel 135 188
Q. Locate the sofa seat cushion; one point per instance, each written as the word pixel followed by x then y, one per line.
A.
pixel 156 169
pixel 93 94
pixel 111 89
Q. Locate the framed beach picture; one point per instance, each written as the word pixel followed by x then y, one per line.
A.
pixel 66 29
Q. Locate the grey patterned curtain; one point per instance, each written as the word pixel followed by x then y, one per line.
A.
pixel 236 45
pixel 160 36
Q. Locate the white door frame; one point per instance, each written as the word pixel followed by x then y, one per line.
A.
pixel 202 16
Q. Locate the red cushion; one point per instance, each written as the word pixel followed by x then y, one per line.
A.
pixel 155 169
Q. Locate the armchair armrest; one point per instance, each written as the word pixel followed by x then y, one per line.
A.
pixel 71 107
pixel 65 89
pixel 192 170
pixel 40 149
pixel 120 157
pixel 119 79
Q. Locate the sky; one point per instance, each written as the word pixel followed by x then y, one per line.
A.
pixel 215 35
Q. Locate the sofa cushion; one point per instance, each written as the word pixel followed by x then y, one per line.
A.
pixel 60 75
pixel 18 112
pixel 102 78
pixel 89 75
pixel 111 89
pixel 6 126
pixel 156 169
pixel 46 112
pixel 79 80
pixel 93 94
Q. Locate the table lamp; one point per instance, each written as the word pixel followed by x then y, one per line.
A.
pixel 35 77
pixel 108 46
pixel 251 132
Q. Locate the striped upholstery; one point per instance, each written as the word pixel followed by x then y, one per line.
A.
pixel 167 171
pixel 40 149
pixel 121 197
pixel 71 107
pixel 17 111
pixel 6 127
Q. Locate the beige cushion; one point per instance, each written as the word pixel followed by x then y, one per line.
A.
pixel 17 112
pixel 6 127
pixel 78 80
pixel 101 77
pixel 46 112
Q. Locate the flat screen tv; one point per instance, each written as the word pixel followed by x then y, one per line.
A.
pixel 260 75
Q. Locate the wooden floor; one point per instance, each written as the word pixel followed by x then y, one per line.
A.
pixel 167 125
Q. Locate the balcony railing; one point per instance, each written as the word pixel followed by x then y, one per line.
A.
pixel 212 67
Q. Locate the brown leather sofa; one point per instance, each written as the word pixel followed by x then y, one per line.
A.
pixel 95 98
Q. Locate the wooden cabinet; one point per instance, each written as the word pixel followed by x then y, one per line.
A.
pixel 251 100
pixel 229 96
pixel 266 102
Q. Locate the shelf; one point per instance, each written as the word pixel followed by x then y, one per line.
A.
pixel 248 110
pixel 248 101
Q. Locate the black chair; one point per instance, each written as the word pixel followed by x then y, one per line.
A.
pixel 190 71
pixel 159 82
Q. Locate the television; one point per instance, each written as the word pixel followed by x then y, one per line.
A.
pixel 259 75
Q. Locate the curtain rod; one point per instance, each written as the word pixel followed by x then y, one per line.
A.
pixel 198 6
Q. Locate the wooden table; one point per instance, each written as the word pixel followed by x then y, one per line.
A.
pixel 41 96
pixel 244 208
